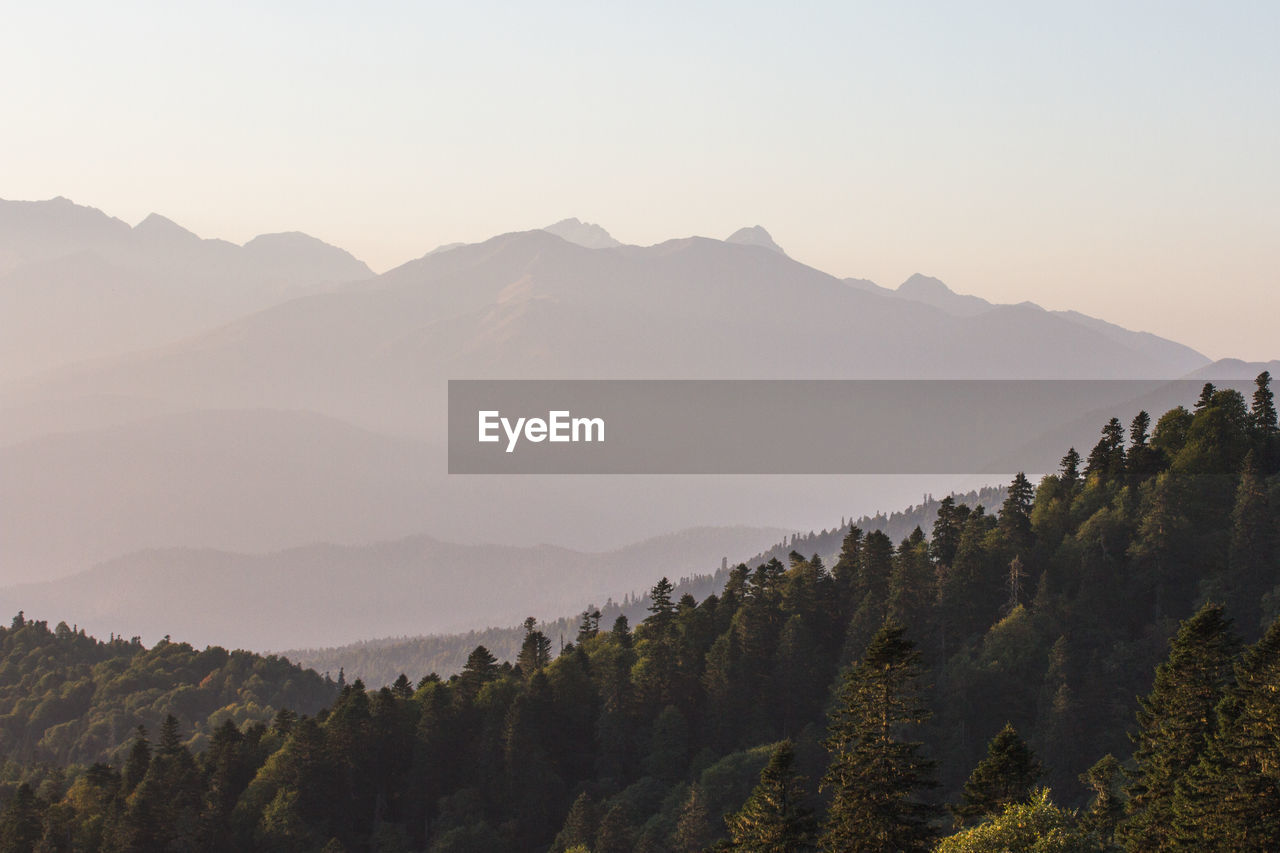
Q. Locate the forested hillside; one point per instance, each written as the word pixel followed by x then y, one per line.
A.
pixel 378 662
pixel 909 696
pixel 68 698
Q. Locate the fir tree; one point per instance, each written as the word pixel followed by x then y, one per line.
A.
pixel 580 825
pixel 876 775
pixel 1206 396
pixel 1070 467
pixel 1230 801
pixel 1263 411
pixel 135 767
pixel 1106 807
pixel 481 667
pixel 1175 722
pixel 1006 776
pixel 774 818
pixel 589 627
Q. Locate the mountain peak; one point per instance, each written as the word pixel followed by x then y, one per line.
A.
pixel 162 226
pixel 921 285
pixel 586 234
pixel 294 250
pixel 755 236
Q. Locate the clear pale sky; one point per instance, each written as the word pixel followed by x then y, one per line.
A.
pixel 1116 158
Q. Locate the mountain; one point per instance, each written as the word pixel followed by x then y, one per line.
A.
pixel 77 284
pixel 585 234
pixel 324 594
pixel 1234 368
pixel 530 305
pixel 928 290
pixel 754 236
pixel 320 418
pixel 931 291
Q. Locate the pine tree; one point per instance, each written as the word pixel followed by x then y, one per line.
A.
pixel 947 530
pixel 1015 514
pixel 1070 467
pixel 1230 801
pixel 1252 556
pixel 774 817
pixel 580 825
pixel 590 625
pixel 616 834
pixel 1006 776
pixel 135 767
pixel 1206 396
pixel 1263 411
pixel 1106 807
pixel 481 667
pixel 535 651
pixel 1175 722
pixel 1107 459
pixel 660 606
pixel 875 775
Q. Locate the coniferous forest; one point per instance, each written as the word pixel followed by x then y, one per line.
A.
pixel 1092 665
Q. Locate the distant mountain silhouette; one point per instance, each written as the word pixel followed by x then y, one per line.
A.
pixel 1234 368
pixel 931 291
pixel 325 594
pixel 532 305
pixel 585 234
pixel 77 284
pixel 754 236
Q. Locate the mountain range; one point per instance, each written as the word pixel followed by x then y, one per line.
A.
pixel 227 403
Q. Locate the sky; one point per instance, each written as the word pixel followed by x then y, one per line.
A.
pixel 1115 158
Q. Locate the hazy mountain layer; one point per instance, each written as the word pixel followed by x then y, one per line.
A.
pixel 77 284
pixel 325 594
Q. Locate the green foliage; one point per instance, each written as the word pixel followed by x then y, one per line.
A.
pixel 1037 826
pixel 68 698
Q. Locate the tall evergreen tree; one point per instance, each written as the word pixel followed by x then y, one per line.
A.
pixel 1007 775
pixel 947 530
pixel 660 606
pixel 1070 468
pixel 774 819
pixel 1263 411
pixel 1015 514
pixel 135 767
pixel 481 667
pixel 535 651
pixel 1106 806
pixel 1251 560
pixel 1175 722
pixel 1206 396
pixel 580 825
pixel 1230 801
pixel 876 775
